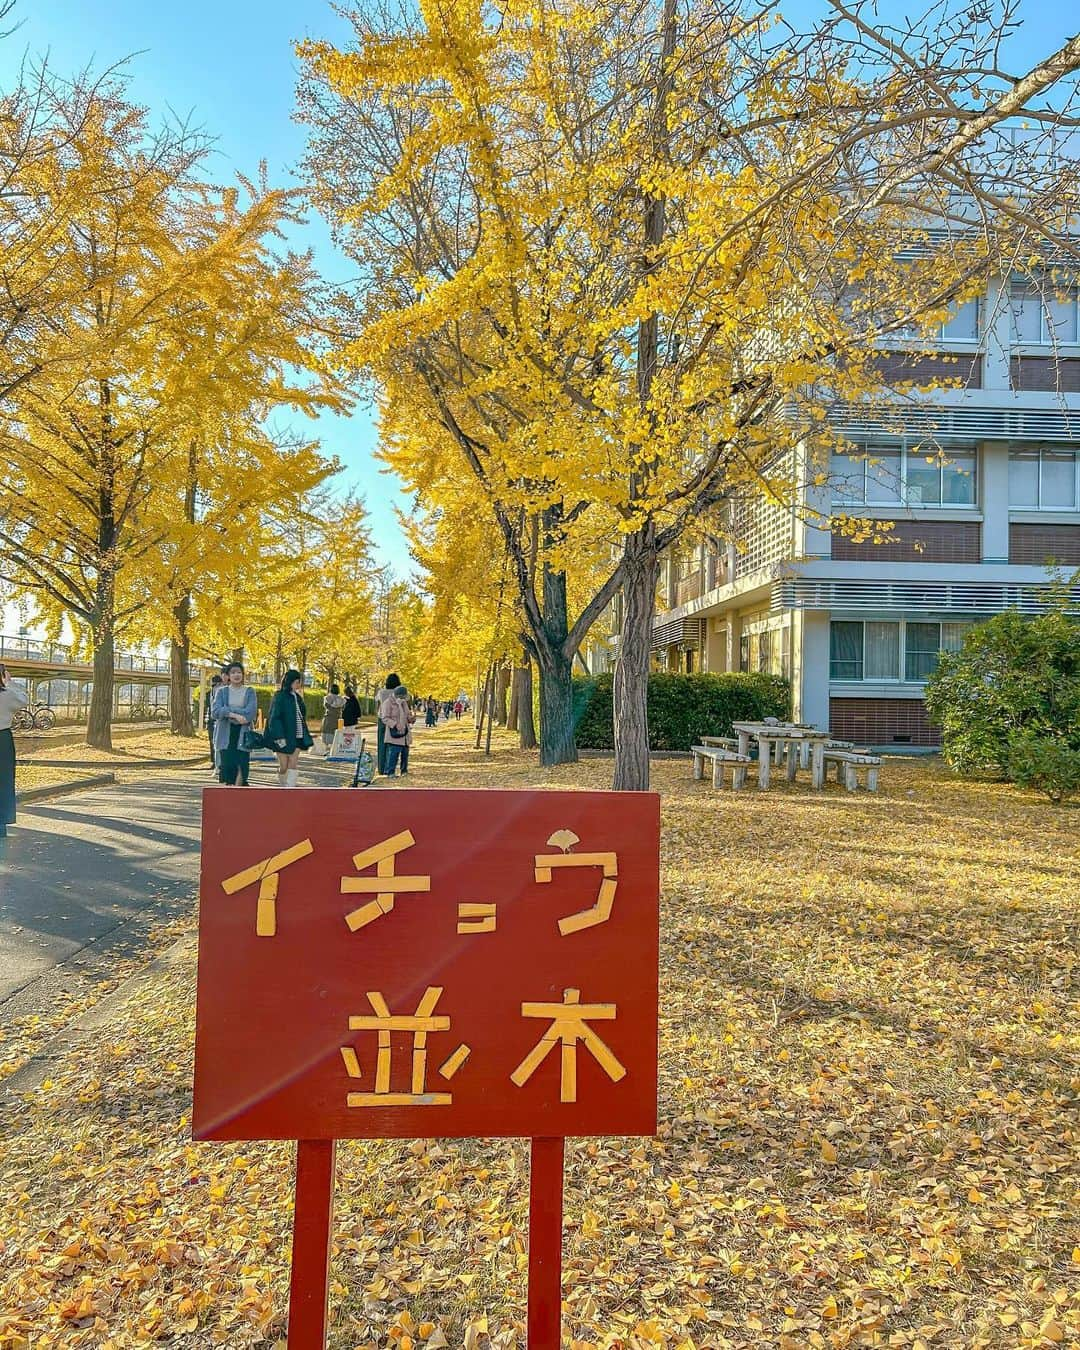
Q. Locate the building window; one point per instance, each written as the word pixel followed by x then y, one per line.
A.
pixel 964 326
pixel 845 650
pixel 1042 316
pixel 893 476
pixel 744 653
pixel 1044 479
pixel 876 650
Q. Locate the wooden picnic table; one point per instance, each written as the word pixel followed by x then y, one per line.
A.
pixel 774 737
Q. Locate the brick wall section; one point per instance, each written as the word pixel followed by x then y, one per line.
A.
pixel 1033 544
pixel 928 541
pixel 882 721
pixel 1045 374
pixel 896 367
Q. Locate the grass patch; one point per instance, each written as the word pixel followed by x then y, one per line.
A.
pixel 868 1136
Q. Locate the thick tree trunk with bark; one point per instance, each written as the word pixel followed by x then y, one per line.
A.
pixel 502 687
pixel 631 685
pixel 179 680
pixel 99 723
pixel 557 744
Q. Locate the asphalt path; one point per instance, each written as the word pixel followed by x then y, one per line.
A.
pixel 85 878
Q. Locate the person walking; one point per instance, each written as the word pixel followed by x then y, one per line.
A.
pixel 459 708
pixel 350 713
pixel 332 706
pixel 397 719
pixel 208 720
pixel 234 710
pixel 392 682
pixel 287 729
pixel 11 699
pixel 431 716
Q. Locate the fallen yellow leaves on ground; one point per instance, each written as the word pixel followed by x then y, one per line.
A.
pixel 868 1128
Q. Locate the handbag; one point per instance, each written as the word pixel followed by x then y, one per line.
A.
pixel 250 739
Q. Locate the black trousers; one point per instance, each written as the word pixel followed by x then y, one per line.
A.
pixel 234 764
pixel 7 780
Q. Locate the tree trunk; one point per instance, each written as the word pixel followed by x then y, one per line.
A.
pixel 179 680
pixel 631 685
pixel 99 723
pixel 557 745
pixel 502 686
pixel 515 690
pixel 526 729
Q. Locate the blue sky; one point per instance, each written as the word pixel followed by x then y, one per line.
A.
pixel 229 65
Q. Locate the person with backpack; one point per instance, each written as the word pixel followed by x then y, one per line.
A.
pixel 233 714
pixel 397 719
pixel 287 729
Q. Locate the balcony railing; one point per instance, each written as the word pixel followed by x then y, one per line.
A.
pixel 62 654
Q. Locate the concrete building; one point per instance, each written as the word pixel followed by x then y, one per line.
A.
pixel 858 626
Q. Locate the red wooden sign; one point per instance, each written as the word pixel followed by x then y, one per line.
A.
pixel 420 964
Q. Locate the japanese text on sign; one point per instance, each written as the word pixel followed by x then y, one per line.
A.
pixel 408 967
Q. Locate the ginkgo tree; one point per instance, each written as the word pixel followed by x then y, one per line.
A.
pixel 170 325
pixel 627 255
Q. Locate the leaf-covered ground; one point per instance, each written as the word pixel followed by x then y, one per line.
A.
pixel 869 1131
pixel 156 744
pixel 28 776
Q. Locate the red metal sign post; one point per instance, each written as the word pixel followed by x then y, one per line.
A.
pixel 421 964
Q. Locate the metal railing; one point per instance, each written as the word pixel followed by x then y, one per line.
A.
pixel 61 654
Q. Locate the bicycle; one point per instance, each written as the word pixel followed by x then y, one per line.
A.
pixel 34 717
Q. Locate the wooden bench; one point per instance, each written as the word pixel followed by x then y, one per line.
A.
pixel 720 756
pixel 721 742
pixel 849 763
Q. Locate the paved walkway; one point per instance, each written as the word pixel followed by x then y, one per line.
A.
pixel 83 878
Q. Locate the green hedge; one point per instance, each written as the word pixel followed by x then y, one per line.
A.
pixel 313 700
pixel 681 707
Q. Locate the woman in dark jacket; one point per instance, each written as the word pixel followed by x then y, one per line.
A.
pixel 287 729
pixel 350 714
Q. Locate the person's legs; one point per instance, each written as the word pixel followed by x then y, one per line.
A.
pixel 292 773
pixel 390 766
pixel 227 767
pixel 404 758
pixel 282 768
pixel 243 763
pixel 210 738
pixel 380 758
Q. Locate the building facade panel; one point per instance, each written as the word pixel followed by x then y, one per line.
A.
pixel 928 541
pixel 882 721
pixel 1045 374
pixel 1035 544
pixel 964 369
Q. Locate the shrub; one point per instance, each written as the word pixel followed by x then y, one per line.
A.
pixel 313 701
pixel 1013 676
pixel 1045 764
pixel 681 707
